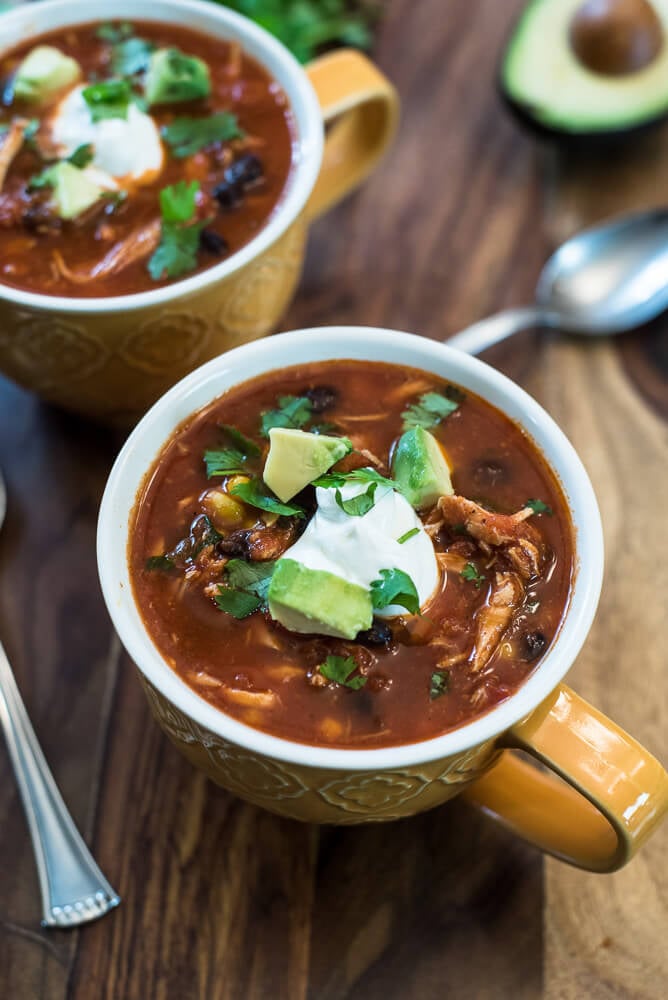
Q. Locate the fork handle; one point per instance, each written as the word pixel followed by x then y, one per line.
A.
pixel 493 329
pixel 74 890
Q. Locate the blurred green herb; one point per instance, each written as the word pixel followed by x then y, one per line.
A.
pixel 308 26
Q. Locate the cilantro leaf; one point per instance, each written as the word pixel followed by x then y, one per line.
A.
pixel 108 99
pixel 114 33
pixel 186 136
pixel 131 56
pixel 439 684
pixel 471 573
pixel 176 253
pixel 256 494
pixel 240 441
pixel 539 507
pixel 254 577
pixel 238 603
pixel 162 562
pixel 44 179
pixel 408 534
pixel 333 479
pixel 82 155
pixel 177 202
pixel 341 669
pixel 428 411
pixel 359 505
pixel 395 587
pixel 223 462
pixel 293 411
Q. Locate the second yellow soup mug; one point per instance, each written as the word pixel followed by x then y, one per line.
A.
pixel 110 358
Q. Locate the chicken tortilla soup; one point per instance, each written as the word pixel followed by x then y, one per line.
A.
pixel 133 154
pixel 351 554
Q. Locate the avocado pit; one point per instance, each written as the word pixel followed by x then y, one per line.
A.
pixel 616 37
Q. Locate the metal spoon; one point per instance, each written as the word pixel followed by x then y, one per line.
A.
pixel 607 279
pixel 74 890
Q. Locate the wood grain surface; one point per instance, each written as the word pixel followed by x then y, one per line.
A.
pixel 220 900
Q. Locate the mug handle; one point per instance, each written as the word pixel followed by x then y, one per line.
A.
pixel 615 793
pixel 351 89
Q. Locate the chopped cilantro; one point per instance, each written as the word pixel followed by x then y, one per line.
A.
pixel 186 136
pixel 162 562
pixel 430 409
pixel 359 505
pixel 178 201
pixel 224 462
pixel 131 56
pixel 238 603
pixel 395 587
pixel 247 586
pixel 82 155
pixel 255 493
pixel 408 534
pixel 252 576
pixel 440 684
pixel 538 507
pixel 176 253
pixel 471 572
pixel 341 670
pixel 108 99
pixel 240 441
pixel 115 33
pixel 293 411
pixel 334 479
pixel 44 179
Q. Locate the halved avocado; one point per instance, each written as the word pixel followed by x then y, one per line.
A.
pixel 588 68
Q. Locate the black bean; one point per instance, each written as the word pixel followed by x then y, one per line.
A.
pixel 534 645
pixel 228 195
pixel 245 171
pixel 236 545
pixel 321 397
pixel 213 242
pixel 379 634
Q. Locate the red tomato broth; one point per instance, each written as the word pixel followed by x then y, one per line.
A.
pixel 394 707
pixel 263 113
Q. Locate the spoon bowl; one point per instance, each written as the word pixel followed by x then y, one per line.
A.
pixel 607 279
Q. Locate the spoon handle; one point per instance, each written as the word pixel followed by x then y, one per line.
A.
pixel 74 890
pixel 493 329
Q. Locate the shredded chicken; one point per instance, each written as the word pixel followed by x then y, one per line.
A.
pixel 10 146
pixel 360 459
pixel 134 247
pixel 495 616
pixel 271 542
pixel 520 540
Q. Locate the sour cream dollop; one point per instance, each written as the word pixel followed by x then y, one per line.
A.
pixel 127 150
pixel 357 548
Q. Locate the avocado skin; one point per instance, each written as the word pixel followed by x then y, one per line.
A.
pixel 578 139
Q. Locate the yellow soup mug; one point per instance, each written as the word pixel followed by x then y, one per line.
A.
pixel 614 793
pixel 110 358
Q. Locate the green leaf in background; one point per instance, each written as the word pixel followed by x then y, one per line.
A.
pixel 308 26
pixel 256 494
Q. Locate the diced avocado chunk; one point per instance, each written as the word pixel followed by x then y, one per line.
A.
pixel 174 76
pixel 43 72
pixel 420 468
pixel 73 191
pixel 296 458
pixel 315 601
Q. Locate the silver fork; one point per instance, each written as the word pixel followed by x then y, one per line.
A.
pixel 74 890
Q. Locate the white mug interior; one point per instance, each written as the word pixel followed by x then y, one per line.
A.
pixel 363 343
pixel 31 20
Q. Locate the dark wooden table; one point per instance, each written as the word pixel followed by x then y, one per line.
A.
pixel 221 900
